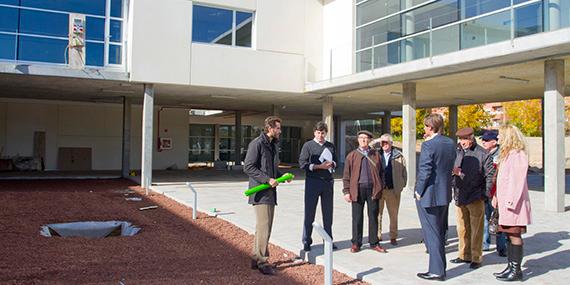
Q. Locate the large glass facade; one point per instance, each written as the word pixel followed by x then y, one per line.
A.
pixel 395 31
pixel 221 26
pixel 37 30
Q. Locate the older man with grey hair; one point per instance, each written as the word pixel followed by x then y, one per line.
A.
pixel 395 179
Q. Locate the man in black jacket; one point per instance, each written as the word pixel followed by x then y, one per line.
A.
pixel 318 159
pixel 473 179
pixel 262 166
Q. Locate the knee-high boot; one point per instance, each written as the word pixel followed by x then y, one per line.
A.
pixel 507 270
pixel 516 260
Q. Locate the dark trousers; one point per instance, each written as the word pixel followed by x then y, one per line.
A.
pixel 365 196
pixel 434 221
pixel 315 188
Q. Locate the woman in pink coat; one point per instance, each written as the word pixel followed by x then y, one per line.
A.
pixel 512 198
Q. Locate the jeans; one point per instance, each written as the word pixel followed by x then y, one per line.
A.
pixel 501 238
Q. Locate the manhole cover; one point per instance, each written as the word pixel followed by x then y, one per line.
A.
pixel 90 229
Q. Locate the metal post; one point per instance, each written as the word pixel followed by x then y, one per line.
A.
pixel 194 201
pixel 512 24
pixel 430 38
pixel 373 59
pixel 328 252
pixel 330 64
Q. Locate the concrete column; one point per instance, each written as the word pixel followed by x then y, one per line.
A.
pixel 342 142
pixel 553 14
pixel 409 132
pixel 453 122
pixel 328 117
pixel 126 148
pixel 554 164
pixel 147 121
pixel 237 137
pixel 216 142
pixel 386 119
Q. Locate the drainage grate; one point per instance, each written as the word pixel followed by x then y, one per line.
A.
pixel 90 229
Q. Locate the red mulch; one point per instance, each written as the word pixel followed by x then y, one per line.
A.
pixel 171 248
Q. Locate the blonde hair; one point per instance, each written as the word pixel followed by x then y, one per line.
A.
pixel 510 138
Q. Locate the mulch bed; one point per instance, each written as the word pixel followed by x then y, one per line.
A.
pixel 170 249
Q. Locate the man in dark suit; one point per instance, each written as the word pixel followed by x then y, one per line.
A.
pixel 433 193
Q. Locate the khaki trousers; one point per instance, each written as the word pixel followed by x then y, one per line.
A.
pixel 470 220
pixel 390 198
pixel 263 224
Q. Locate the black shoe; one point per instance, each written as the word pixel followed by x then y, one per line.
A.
pixel 307 247
pixel 503 273
pixel 459 260
pixel 267 270
pixel 335 247
pixel 253 264
pixel 475 265
pixel 502 253
pixel 431 276
pixel 515 274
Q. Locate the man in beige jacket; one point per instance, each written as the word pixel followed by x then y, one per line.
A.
pixel 395 179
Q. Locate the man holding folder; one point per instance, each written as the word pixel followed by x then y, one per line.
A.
pixel 318 159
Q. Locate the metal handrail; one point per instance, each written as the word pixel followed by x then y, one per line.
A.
pixel 328 252
pixel 194 201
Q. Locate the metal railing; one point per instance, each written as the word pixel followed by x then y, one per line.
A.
pixel 194 200
pixel 328 252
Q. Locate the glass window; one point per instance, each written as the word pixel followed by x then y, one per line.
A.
pixel 364 60
pixel 95 29
pixel 8 19
pixel 486 30
pixel 44 23
pixel 528 20
pixel 380 32
pixel 387 55
pixel 411 3
pixel 211 25
pixel 244 23
pixel 375 9
pixel 7 46
pixel 445 40
pixel 115 56
pixel 92 7
pixel 202 130
pixel 478 7
pixel 9 2
pixel 416 47
pixel 117 8
pixel 42 49
pixel 115 31
pixel 94 54
pixel 440 13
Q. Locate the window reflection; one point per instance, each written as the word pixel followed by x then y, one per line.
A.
pixel 216 26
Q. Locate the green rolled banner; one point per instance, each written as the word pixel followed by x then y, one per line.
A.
pixel 261 187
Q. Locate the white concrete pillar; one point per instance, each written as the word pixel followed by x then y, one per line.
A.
pixel 216 142
pixel 126 147
pixel 553 14
pixel 237 137
pixel 453 122
pixel 328 117
pixel 386 120
pixel 409 132
pixel 147 148
pixel 554 164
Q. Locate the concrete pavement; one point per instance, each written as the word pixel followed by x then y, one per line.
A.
pixel 547 243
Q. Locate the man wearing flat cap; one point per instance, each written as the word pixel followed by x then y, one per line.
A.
pixel 473 179
pixel 362 184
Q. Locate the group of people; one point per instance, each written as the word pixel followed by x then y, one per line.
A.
pixel 478 178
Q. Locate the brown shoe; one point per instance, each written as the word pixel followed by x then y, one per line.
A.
pixel 393 241
pixel 378 248
pixel 354 248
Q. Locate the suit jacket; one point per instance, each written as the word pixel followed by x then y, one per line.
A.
pixel 433 182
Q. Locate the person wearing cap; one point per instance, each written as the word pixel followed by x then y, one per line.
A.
pixel 395 179
pixel 433 193
pixel 490 139
pixel 473 173
pixel 318 159
pixel 362 184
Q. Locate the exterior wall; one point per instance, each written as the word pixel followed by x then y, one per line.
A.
pixel 313 40
pixel 338 23
pixel 280 26
pixel 159 41
pixel 97 126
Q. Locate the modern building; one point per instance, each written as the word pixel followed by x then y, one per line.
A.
pixel 129 84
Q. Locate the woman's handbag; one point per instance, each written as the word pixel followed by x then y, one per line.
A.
pixel 494 222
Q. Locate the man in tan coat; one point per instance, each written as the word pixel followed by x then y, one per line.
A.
pixel 395 179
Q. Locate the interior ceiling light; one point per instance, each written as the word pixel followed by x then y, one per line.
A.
pixel 223 97
pixel 117 91
pixel 520 80
pixel 393 93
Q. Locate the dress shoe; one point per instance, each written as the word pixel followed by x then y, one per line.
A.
pixel 487 249
pixel 502 253
pixel 378 248
pixel 334 247
pixel 266 270
pixel 431 276
pixel 354 248
pixel 306 248
pixel 253 264
pixel 459 260
pixel 393 241
pixel 475 265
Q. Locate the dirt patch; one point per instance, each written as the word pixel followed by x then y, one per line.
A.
pixel 171 249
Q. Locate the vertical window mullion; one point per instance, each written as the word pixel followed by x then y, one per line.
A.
pixel 107 32
pixel 234 28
